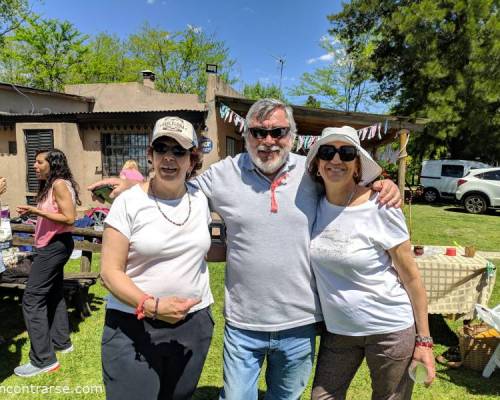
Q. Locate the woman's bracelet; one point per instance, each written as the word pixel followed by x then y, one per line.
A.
pixel 139 311
pixel 424 341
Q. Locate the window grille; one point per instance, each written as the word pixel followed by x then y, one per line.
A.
pixel 120 147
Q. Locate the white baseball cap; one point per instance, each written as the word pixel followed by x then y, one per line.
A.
pixel 176 128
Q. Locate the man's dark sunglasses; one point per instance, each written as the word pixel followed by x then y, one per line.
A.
pixel 346 153
pixel 162 148
pixel 276 133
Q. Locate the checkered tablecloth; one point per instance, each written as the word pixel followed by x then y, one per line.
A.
pixel 454 284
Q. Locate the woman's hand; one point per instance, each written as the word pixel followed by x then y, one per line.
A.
pixel 426 357
pixel 119 185
pixel 170 309
pixel 27 210
pixel 389 193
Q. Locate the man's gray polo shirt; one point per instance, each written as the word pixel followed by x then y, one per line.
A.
pixel 269 281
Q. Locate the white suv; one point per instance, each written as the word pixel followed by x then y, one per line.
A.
pixel 479 190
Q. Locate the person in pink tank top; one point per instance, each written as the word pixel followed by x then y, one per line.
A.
pixel 130 170
pixel 44 307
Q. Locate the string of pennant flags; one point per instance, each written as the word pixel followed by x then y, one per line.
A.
pixel 303 142
pixel 230 116
pixel 370 132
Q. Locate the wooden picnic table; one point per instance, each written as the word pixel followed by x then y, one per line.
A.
pixel 76 285
pixel 87 245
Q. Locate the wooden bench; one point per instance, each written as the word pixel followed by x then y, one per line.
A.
pixel 76 285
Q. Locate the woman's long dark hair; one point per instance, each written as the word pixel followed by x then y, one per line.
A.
pixel 59 169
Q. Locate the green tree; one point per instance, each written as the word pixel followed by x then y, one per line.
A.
pixel 42 53
pixel 437 60
pixel 179 59
pixel 12 15
pixel 312 102
pixel 259 91
pixel 106 60
pixel 344 83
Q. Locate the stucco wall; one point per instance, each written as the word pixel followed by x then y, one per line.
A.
pixel 217 129
pixel 82 146
pixel 13 102
pixel 9 168
pixel 66 138
pixel 134 96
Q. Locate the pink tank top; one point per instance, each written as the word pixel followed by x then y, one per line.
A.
pixel 131 174
pixel 46 229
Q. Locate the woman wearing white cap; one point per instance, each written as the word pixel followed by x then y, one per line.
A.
pixel 372 298
pixel 158 324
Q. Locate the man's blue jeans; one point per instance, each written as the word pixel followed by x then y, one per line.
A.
pixel 290 356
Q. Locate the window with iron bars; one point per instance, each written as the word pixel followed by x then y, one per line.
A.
pixel 119 147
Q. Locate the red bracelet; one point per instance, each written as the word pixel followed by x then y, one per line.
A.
pixel 424 344
pixel 139 311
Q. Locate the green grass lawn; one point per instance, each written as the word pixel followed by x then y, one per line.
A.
pixel 445 224
pixel 81 370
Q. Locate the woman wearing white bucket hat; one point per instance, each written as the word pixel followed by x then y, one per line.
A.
pixel 373 301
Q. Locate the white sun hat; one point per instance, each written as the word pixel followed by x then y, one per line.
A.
pixel 370 170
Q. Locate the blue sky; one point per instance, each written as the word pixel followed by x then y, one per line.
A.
pixel 254 31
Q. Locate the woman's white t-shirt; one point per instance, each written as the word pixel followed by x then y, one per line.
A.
pixel 358 287
pixel 164 259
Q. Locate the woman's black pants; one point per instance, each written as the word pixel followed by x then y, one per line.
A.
pixel 44 307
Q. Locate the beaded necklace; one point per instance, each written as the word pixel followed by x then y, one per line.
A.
pixel 161 211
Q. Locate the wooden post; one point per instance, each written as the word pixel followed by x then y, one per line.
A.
pixel 86 261
pixel 403 141
pixel 87 247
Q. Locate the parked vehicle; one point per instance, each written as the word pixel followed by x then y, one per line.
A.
pixel 439 177
pixel 479 190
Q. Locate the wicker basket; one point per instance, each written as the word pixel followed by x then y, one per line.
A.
pixel 476 352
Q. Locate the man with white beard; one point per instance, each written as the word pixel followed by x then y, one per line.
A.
pixel 270 305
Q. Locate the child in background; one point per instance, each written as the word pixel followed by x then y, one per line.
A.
pixel 130 170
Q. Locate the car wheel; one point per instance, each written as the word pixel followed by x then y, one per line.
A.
pixel 431 195
pixel 475 203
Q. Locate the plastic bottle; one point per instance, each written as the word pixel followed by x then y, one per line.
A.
pixel 5 229
pixel 5 233
pixel 418 372
pixel 2 265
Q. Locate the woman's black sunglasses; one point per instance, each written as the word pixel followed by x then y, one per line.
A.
pixel 276 133
pixel 346 153
pixel 162 148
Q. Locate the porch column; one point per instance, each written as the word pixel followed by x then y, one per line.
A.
pixel 403 142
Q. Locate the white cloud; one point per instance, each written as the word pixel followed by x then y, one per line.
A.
pixel 325 57
pixel 150 1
